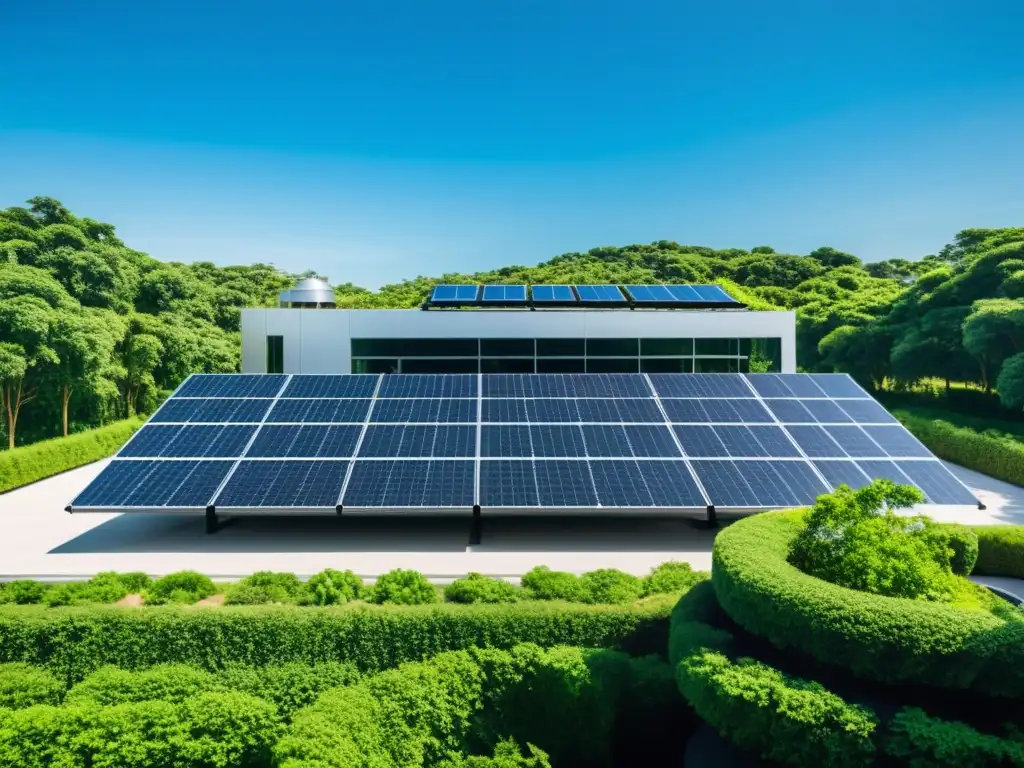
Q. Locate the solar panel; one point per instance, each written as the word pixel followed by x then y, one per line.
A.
pixel 231 385
pixel 534 441
pixel 599 293
pixel 712 293
pixel 354 385
pixel 684 293
pixel 553 293
pixel 505 293
pixel 282 484
pixel 451 294
pixel 650 293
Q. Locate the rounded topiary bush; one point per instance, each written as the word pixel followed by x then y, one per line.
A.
pixel 671 577
pixel 477 588
pixel 545 584
pixel 1000 550
pixel 167 682
pixel 22 685
pixel 265 587
pixel 331 587
pixel 181 587
pixel 24 592
pixel 611 586
pixel 402 587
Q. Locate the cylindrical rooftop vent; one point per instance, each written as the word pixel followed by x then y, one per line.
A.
pixel 309 293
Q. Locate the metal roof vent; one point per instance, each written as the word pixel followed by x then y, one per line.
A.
pixel 309 293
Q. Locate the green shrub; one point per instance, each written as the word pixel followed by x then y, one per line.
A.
pixel 1000 550
pixel 135 581
pixel 331 587
pixel 265 587
pixel 920 741
pixel 30 463
pixel 106 587
pixel 225 729
pixel 65 594
pixel 506 755
pixel 289 686
pixel 610 585
pixel 545 584
pixel 402 587
pixel 185 587
pixel 24 592
pixel 166 682
pixel 995 455
pixel 963 543
pixel 671 577
pixel 22 685
pixel 477 588
pixel 75 641
pixel 881 638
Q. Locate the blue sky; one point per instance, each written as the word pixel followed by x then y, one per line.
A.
pixel 376 141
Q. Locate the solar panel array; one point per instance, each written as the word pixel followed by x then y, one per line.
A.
pixel 513 441
pixel 693 296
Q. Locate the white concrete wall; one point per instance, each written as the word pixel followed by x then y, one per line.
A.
pixel 319 340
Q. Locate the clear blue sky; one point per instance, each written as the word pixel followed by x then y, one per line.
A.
pixel 379 140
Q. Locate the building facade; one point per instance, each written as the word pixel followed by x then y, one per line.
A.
pixel 291 340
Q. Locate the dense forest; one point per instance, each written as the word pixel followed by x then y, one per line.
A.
pixel 92 330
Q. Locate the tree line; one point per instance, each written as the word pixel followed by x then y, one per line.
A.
pixel 92 330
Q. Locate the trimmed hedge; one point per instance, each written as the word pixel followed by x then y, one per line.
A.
pixel 879 638
pixel 925 742
pixel 1000 550
pixel 758 708
pixel 996 456
pixel 22 685
pixel 74 641
pixel 30 463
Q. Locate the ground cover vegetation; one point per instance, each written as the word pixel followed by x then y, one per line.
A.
pixel 92 330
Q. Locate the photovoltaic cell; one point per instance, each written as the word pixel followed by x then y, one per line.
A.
pixel 606 441
pixel 438 483
pixel 725 484
pixel 454 293
pixel 937 482
pixel 508 484
pixel 769 385
pixel 650 293
pixel 559 293
pixel 424 411
pixel 504 411
pixel 296 483
pixel 897 442
pixel 651 440
pixel 684 293
pixel 552 411
pixel 424 441
pixel 855 442
pixel 204 441
pixel 739 411
pixel 884 470
pixel 232 385
pixel 866 411
pixel 815 442
pixel 599 293
pixel 700 441
pixel 712 293
pixel 619 409
pixel 354 385
pixel 324 411
pixel 154 484
pixel 504 293
pixel 671 484
pixel 233 410
pixel 790 411
pixel 837 385
pixel 506 440
pixel 430 385
pixel 557 441
pixel 565 385
pixel 699 385
pixel 842 473
pixel 564 484
pixel 827 412
pixel 620 484
pixel 305 441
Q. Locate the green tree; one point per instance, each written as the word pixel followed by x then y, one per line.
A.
pixel 862 352
pixel 992 332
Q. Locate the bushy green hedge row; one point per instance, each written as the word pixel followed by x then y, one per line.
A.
pixel 563 700
pixel 758 708
pixel 882 638
pixel 30 463
pixel 999 456
pixel 74 641
pixel 1000 550
pixel 926 742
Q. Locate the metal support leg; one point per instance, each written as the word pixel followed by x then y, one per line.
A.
pixel 211 520
pixel 712 516
pixel 475 527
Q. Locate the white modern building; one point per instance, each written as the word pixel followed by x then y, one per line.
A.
pixel 307 335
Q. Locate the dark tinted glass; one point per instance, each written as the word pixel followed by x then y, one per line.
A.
pixel 414 347
pixel 612 347
pixel 666 365
pixel 716 346
pixel 506 347
pixel 561 365
pixel 560 347
pixel 666 347
pixel 506 365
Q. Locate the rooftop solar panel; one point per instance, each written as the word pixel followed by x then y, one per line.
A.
pixel 231 385
pixel 712 293
pixel 295 483
pixel 599 293
pixel 344 386
pixel 305 441
pixel 683 293
pixel 553 293
pixel 504 293
pixel 454 293
pixel 650 293
pixel 421 442
pixel 837 385
pixel 211 410
pixel 700 385
pixel 154 484
pixel 508 484
pixel 402 484
pixel 839 473
pixel 564 484
pixel 320 411
pixel 424 411
pixel 204 441
pixel 427 385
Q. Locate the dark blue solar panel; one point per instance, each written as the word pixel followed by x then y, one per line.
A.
pixel 798 478
pixel 683 293
pixel 619 409
pixel 866 412
pixel 854 442
pixel 759 483
pixel 452 293
pixel 232 385
pixel 607 385
pixel 206 441
pixel 154 484
pixel 428 385
pixel 837 385
pixel 235 410
pixel 650 293
pixel 700 385
pixel 599 293
pixel 354 385
pixel 653 441
pixel 790 411
pixel 552 411
pixel 756 441
pixel 884 470
pixel 645 484
pixel 323 411
pixel 898 442
pixel 505 441
pixel 559 293
pixel 670 484
pixel 724 483
pixel 557 441
pixel 564 484
pixel 937 482
pixel 424 411
pixel 437 483
pixel 295 483
pixel 815 442
pixel 606 440
pixel 418 441
pixel 826 411
pixel 700 441
pixel 504 411
pixel 842 473
pixel 712 293
pixel 685 410
pixel 784 385
pixel 566 385
pixel 689 410
pixel 305 442
pixel 504 293
pixel 508 484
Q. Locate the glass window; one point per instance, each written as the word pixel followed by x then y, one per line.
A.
pixel 762 355
pixel 666 365
pixel 612 365
pixel 506 347
pixel 716 346
pixel 612 347
pixel 560 347
pixel 716 365
pixel 275 354
pixel 439 366
pixel 506 365
pixel 415 347
pixel 664 347
pixel 378 365
pixel 561 365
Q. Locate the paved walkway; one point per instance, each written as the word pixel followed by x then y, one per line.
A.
pixel 38 539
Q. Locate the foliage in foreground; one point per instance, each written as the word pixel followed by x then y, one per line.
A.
pixel 1000 550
